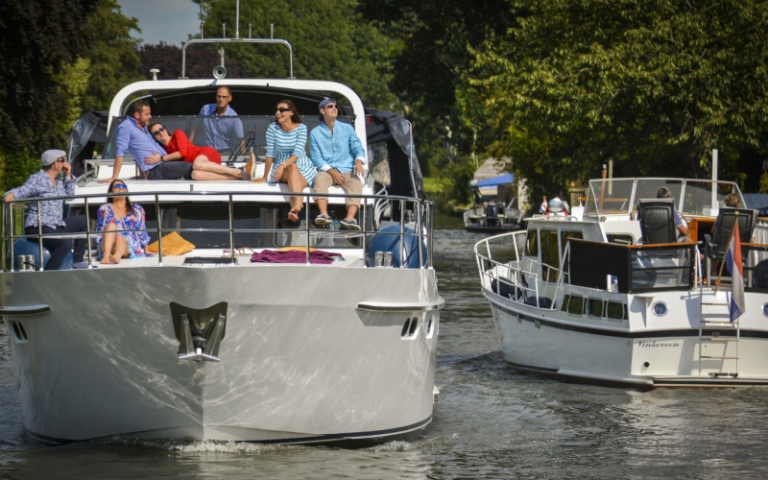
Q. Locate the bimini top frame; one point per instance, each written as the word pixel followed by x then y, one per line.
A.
pixel 319 86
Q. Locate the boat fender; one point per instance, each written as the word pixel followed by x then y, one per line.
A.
pixel 28 247
pixel 388 240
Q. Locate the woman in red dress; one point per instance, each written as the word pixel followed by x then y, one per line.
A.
pixel 206 161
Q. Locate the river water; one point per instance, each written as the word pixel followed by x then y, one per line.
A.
pixel 490 422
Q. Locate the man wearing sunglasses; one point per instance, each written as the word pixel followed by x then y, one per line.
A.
pixel 221 133
pixel 53 180
pixel 340 159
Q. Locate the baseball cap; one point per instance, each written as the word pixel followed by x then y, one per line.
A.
pixel 50 156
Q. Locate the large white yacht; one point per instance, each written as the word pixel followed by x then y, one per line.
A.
pixel 209 345
pixel 594 298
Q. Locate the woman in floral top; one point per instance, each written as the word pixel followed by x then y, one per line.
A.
pixel 120 214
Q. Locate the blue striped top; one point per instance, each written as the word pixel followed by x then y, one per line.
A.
pixel 281 145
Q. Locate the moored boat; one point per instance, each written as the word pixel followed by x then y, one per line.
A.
pixel 492 213
pixel 598 299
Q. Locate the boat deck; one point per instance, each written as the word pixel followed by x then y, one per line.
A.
pixel 350 258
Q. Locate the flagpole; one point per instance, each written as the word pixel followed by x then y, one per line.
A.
pixel 730 239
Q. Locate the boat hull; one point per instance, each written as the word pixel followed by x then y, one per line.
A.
pixel 299 362
pixel 543 342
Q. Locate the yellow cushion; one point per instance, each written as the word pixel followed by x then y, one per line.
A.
pixel 173 244
pixel 296 249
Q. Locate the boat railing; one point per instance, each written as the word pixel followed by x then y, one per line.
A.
pixel 415 222
pixel 502 269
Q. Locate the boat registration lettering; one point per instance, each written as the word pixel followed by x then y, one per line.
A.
pixel 656 344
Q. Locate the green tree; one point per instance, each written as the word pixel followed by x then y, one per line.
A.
pixel 652 84
pixel 38 38
pixel 330 41
pixel 430 55
pixel 114 59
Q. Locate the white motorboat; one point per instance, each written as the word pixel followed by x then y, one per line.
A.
pixel 211 346
pixel 586 299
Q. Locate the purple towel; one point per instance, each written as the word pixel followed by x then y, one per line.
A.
pixel 294 256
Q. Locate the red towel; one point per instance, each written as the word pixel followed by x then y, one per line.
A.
pixel 294 256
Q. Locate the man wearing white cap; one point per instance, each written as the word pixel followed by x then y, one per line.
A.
pixel 46 183
pixel 340 160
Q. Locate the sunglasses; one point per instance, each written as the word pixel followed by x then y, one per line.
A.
pixel 158 131
pixel 120 186
pixel 61 160
pixel 221 97
pixel 332 105
pixel 283 110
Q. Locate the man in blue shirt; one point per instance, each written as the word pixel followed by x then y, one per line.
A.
pixel 54 180
pixel 340 160
pixel 223 134
pixel 133 136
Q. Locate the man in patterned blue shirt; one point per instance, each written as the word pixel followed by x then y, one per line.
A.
pixel 48 183
pixel 340 160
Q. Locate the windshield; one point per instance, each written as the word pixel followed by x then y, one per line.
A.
pixel 609 196
pixel 692 197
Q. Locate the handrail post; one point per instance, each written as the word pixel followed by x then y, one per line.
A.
pixel 419 238
pixel 231 230
pixel 364 217
pixel 159 232
pixel 402 233
pixel 306 223
pixel 13 231
pixel 88 232
pixel 430 215
pixel 40 235
pixel 4 228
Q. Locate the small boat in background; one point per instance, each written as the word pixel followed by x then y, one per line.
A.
pixel 492 212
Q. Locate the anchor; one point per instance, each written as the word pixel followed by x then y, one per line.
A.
pixel 199 331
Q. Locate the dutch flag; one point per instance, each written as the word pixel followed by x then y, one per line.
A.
pixel 733 264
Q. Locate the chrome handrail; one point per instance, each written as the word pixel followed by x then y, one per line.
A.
pixel 421 208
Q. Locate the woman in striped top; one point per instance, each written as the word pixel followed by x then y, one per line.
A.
pixel 287 160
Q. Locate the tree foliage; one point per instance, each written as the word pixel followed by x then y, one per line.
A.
pixel 430 58
pixel 330 41
pixel 37 39
pixel 652 84
pixel 114 60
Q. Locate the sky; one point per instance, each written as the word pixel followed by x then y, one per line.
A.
pixel 169 21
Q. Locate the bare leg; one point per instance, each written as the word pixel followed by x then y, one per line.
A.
pixel 121 249
pixel 203 164
pixel 108 241
pixel 322 205
pixel 201 175
pixel 351 211
pixel 296 183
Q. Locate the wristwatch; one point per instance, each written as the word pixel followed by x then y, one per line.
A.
pixel 162 158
